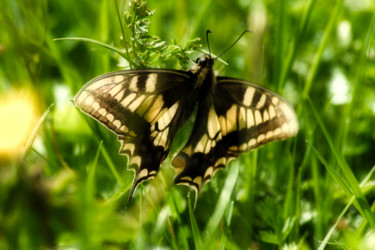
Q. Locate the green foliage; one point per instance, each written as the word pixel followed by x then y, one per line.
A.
pixel 145 49
pixel 68 188
pixel 143 46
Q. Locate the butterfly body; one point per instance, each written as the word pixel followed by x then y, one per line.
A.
pixel 145 108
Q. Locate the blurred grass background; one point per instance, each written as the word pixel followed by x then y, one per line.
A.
pixel 65 186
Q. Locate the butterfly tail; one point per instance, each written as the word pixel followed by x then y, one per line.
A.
pixel 144 159
pixel 134 186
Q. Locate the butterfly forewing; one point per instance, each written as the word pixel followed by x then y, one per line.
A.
pixel 251 115
pixel 243 116
pixel 144 109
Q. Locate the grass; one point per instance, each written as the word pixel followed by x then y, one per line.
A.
pixel 65 186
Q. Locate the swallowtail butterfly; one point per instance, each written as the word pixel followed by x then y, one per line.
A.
pixel 146 107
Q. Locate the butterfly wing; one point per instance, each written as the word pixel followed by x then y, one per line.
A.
pixel 242 116
pixel 143 108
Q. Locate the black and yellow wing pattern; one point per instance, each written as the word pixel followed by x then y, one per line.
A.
pixel 243 116
pixel 145 108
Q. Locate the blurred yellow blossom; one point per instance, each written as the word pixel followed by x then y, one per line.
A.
pixel 18 117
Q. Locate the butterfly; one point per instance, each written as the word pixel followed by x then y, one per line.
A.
pixel 146 107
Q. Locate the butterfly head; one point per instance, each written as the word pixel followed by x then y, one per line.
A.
pixel 205 61
pixel 202 65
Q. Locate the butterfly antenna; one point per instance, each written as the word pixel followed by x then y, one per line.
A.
pixel 243 33
pixel 208 42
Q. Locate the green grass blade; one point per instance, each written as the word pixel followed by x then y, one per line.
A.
pixel 194 226
pixel 322 45
pixel 350 178
pixel 357 94
pixel 118 195
pixel 32 137
pixel 222 203
pixel 104 45
pixel 280 39
pixel 111 166
pixel 331 170
pixel 323 244
pixel 295 43
pixel 361 229
pixel 90 182
pixel 125 40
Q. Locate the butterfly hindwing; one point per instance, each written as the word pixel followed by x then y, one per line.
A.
pixel 144 109
pixel 243 116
